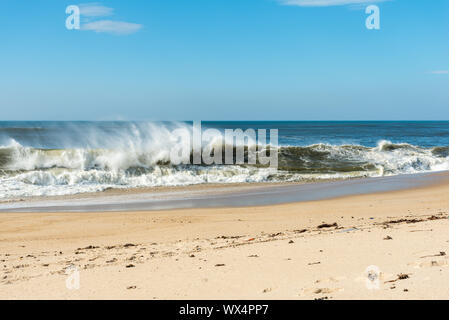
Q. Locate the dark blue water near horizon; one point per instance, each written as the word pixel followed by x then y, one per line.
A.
pixel 60 134
pixel 365 133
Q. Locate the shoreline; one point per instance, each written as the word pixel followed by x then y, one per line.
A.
pixel 219 195
pixel 308 250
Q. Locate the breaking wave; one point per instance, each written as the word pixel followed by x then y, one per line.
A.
pixel 95 160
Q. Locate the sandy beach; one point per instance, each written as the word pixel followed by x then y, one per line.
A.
pixel 163 151
pixel 305 250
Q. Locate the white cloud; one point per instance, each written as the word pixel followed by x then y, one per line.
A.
pixel 440 72
pixel 326 3
pixel 113 27
pixel 95 10
pixel 90 11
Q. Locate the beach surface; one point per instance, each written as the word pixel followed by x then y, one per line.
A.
pixel 386 245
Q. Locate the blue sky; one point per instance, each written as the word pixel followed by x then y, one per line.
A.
pixel 224 60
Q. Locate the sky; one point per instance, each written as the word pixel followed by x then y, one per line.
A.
pixel 224 60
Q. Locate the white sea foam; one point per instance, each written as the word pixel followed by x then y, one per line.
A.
pixel 62 182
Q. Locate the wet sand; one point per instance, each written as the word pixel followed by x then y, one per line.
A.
pixel 303 250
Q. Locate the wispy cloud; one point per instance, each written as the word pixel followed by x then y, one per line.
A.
pixel 440 72
pixel 95 9
pixel 326 3
pixel 113 27
pixel 90 11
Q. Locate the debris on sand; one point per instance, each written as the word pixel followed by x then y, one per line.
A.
pixel 220 265
pixel 291 241
pixel 130 266
pixel 388 238
pixel 322 290
pixel 441 254
pixel 402 221
pixel 431 218
pixel 401 276
pixel 275 234
pixel 229 237
pixel 88 248
pixel 326 225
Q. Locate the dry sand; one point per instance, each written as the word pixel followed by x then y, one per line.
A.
pixel 272 252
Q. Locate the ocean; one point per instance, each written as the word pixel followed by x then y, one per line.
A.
pixel 62 158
